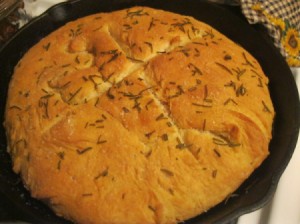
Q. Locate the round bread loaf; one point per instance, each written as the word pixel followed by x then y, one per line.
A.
pixel 136 116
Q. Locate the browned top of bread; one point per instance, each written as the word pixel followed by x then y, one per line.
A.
pixel 137 116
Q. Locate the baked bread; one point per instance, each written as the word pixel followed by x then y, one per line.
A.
pixel 136 116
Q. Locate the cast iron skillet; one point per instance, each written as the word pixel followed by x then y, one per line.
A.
pixel 256 191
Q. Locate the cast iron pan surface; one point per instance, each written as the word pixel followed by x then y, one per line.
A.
pixel 261 185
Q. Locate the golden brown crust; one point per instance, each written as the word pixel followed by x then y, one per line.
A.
pixel 137 116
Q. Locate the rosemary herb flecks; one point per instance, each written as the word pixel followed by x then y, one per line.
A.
pixel 164 137
pixel 72 95
pixel 167 172
pixel 195 70
pixel 169 124
pixel 214 173
pixel 103 173
pixel 137 13
pixel 100 140
pixel 160 117
pixel 61 156
pixel 209 33
pixel 230 100
pixel 265 107
pixel 151 208
pixel 59 164
pixel 87 195
pixel 126 110
pixel 47 46
pixel 227 57
pixel 148 135
pixel 260 84
pixel 247 62
pixel 206 99
pixel 148 103
pixel 82 151
pixel 109 95
pixel 217 152
pixel 151 24
pixel 231 84
pixel 150 46
pixel 223 141
pixel 239 72
pixel 181 25
pixel 204 125
pixel 224 68
pixel 181 145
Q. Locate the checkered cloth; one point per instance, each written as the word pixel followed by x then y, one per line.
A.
pixel 282 20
